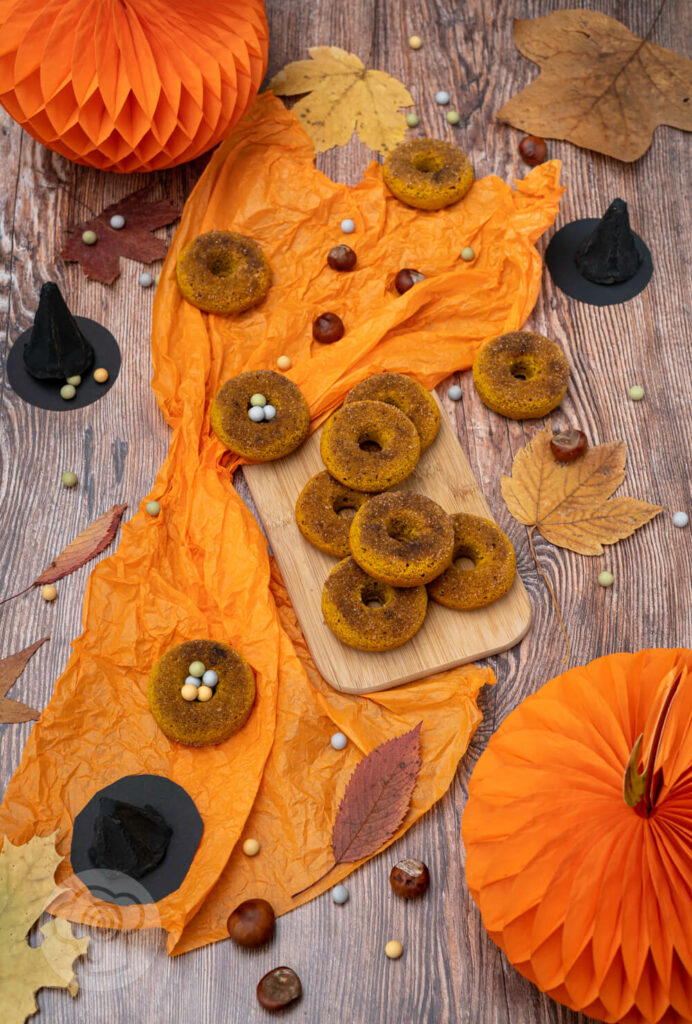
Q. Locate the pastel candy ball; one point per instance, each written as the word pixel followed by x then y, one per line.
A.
pixel 454 393
pixel 442 97
pixel 205 693
pixel 467 254
pixel 75 381
pixel 153 508
pixel 452 117
pixel 188 692
pixel 101 375
pixel 68 391
pixel 393 949
pixel 256 413
pixel 210 677
pixel 415 42
pixel 339 741
pixel 89 237
pixel 412 120
pixel 636 392
pixel 146 280
pixel 258 399
pixel 251 847
pixel 284 362
pixel 606 578
pixel 269 412
pixel 348 226
pixel 680 519
pixel 69 479
pixel 197 669
pixel 48 592
pixel 340 894
pixel 192 681
pixel 117 221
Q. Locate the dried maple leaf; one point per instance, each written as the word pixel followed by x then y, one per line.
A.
pixel 600 86
pixel 376 799
pixel 81 550
pixel 101 261
pixel 10 670
pixel 27 887
pixel 344 97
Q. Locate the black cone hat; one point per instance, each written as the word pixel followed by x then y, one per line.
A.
pixel 57 349
pixel 609 255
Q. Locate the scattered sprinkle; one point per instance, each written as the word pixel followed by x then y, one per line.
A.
pixel 393 949
pixel 415 42
pixel 89 237
pixel 117 221
pixel 100 375
pixel 48 592
pixel 442 97
pixel 75 381
pixel 348 226
pixel 339 741
pixel 251 847
pixel 340 894
pixel 636 392
pixel 606 578
pixel 69 479
pixel 196 669
pixel 258 399
pixel 452 117
pixel 284 362
pixel 68 391
pixel 146 280
pixel 412 120
pixel 269 412
pixel 680 519
pixel 467 254
pixel 454 393
pixel 153 508
pixel 256 413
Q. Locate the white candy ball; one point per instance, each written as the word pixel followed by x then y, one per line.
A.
pixel 340 894
pixel 454 393
pixel 117 221
pixel 146 280
pixel 442 97
pixel 210 677
pixel 339 741
pixel 680 519
pixel 256 413
pixel 348 226
pixel 269 412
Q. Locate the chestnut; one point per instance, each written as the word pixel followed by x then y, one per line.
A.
pixel 327 328
pixel 252 923
pixel 341 257
pixel 569 445
pixel 532 150
pixel 409 878
pixel 406 279
pixel 278 988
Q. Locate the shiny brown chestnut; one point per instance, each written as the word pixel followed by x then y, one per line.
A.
pixel 278 988
pixel 342 257
pixel 532 150
pixel 406 279
pixel 252 923
pixel 327 328
pixel 568 445
pixel 409 878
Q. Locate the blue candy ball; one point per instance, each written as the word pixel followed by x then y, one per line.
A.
pixel 340 894
pixel 193 681
pixel 210 677
pixel 256 413
pixel 269 412
pixel 454 393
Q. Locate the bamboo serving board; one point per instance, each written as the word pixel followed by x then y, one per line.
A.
pixel 447 638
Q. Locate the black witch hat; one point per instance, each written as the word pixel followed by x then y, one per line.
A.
pixel 57 349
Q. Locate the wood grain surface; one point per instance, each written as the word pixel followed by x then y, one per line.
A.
pixel 447 638
pixel 451 971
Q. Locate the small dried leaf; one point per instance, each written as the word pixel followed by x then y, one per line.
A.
pixel 13 711
pixel 634 781
pixel 344 97
pixel 101 262
pixel 83 548
pixel 377 798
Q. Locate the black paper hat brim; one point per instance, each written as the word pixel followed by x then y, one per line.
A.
pixel 182 816
pixel 45 394
pixel 559 259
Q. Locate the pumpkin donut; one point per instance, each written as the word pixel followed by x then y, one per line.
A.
pixel 402 539
pixel 269 439
pixel 521 375
pixel 428 173
pixel 199 723
pixel 405 394
pixel 494 565
pixel 369 446
pixel 317 513
pixel 221 272
pixel 369 615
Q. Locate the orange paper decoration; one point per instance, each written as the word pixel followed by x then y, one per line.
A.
pixel 591 899
pixel 133 86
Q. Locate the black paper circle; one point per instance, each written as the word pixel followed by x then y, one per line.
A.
pixel 559 259
pixel 181 814
pixel 45 394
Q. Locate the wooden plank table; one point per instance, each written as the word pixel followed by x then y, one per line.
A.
pixel 451 971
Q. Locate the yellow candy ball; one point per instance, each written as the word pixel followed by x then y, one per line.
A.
pixel 251 847
pixel 188 692
pixel 204 692
pixel 415 42
pixel 48 592
pixel 100 375
pixel 393 949
pixel 284 363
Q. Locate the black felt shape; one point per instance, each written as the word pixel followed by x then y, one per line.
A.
pixel 180 814
pixel 128 838
pixel 45 394
pixel 57 348
pixel 609 255
pixel 559 259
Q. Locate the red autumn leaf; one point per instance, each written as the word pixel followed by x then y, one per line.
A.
pixel 83 548
pixel 10 670
pixel 101 261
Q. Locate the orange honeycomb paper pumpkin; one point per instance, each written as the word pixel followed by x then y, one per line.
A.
pixel 134 86
pixel 589 898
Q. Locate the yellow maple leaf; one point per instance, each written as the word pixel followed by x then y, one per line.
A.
pixel 570 503
pixel 27 887
pixel 344 97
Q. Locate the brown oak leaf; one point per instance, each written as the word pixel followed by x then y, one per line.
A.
pixel 376 799
pixel 10 670
pixel 344 97
pixel 570 503
pixel 101 261
pixel 600 87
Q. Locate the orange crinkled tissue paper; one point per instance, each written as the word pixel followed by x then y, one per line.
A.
pixel 201 569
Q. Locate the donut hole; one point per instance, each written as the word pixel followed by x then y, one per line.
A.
pixel 343 509
pixel 220 264
pixel 402 528
pixel 522 369
pixel 368 443
pixel 375 595
pixel 427 163
pixel 465 559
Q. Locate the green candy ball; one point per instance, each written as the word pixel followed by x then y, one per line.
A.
pixel 89 237
pixel 452 117
pixel 153 508
pixel 68 391
pixel 467 254
pixel 69 479
pixel 412 120
pixel 197 669
pixel 606 578
pixel 75 381
pixel 636 392
pixel 258 400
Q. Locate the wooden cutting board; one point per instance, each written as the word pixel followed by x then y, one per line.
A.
pixel 447 638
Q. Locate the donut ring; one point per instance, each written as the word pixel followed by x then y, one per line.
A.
pixel 270 439
pixel 346 605
pixel 222 272
pixel 428 173
pixel 521 375
pixel 402 539
pixel 494 565
pixel 197 723
pixel 317 513
pixel 371 424
pixel 405 394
